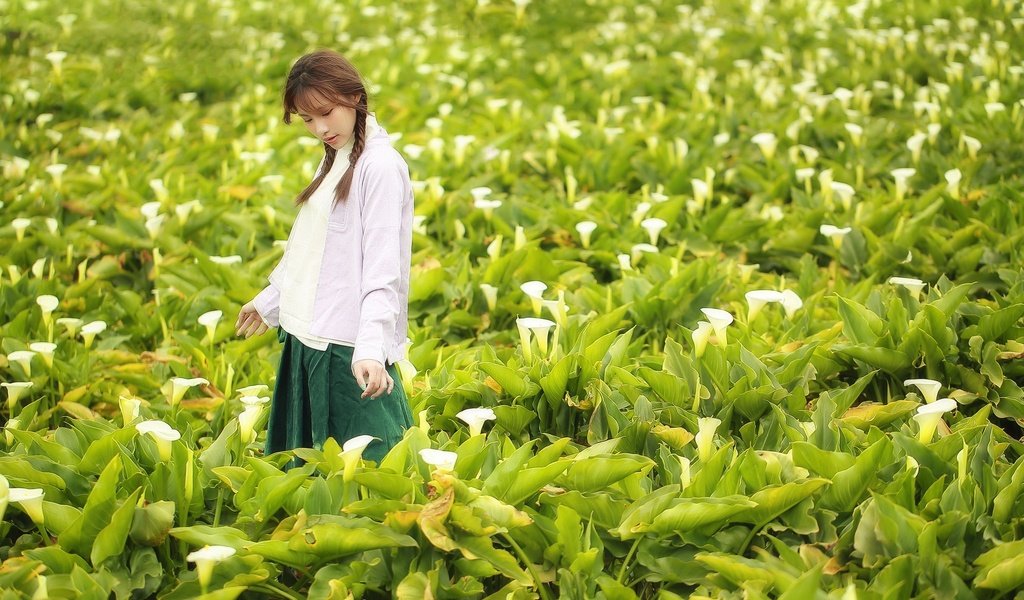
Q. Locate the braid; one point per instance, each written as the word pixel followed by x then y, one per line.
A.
pixel 359 132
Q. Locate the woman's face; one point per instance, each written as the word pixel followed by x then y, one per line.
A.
pixel 330 122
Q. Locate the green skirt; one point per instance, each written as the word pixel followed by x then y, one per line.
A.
pixel 316 396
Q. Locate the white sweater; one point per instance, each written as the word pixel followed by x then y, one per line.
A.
pixel 306 249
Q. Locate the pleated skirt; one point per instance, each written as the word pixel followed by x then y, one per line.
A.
pixel 316 396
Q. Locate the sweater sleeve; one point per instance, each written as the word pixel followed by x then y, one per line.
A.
pixel 268 301
pixel 382 202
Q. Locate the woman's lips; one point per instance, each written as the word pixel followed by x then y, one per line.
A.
pixel 330 140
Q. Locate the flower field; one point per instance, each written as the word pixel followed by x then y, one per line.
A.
pixel 708 300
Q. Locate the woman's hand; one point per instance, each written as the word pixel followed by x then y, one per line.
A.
pixel 372 377
pixel 249 321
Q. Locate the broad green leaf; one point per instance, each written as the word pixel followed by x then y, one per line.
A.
pixel 598 472
pixel 111 539
pixel 689 514
pixel 860 324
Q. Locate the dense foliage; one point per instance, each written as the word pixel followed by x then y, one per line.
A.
pixel 738 286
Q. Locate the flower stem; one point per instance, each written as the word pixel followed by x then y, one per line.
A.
pixel 629 556
pixel 220 503
pixel 543 591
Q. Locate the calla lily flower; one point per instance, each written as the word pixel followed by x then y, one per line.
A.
pixel 494 248
pixel 845 192
pixel 535 291
pixel 915 143
pixel 475 418
pixel 180 385
pixel 520 237
pixel 640 212
pixel 20 225
pixel 705 438
pixel 766 143
pixel 654 225
pixel 971 144
pixel 624 262
pixel 11 425
pixel 487 206
pixel 804 176
pixel 637 251
pixel 441 460
pixel 210 320
pixel 558 309
pixel 901 176
pixel 56 59
pixel 254 400
pixel 585 229
pixel 185 209
pixel 44 349
pixel 929 415
pixel 31 502
pixel 5 496
pixel 247 422
pixel 720 320
pixel 91 330
pixel 700 337
pixel 163 433
pixel 205 559
pixel 700 192
pixel 15 390
pixel 914 285
pixel 234 259
pixel 154 225
pixel 835 234
pixel 746 271
pixel 953 177
pixel 929 388
pixel 70 324
pixel 129 409
pixel 856 133
pixel 539 328
pixel 253 390
pixel 791 303
pixel 48 304
pixel 352 453
pixel 23 358
pixel 756 299
pixel 490 295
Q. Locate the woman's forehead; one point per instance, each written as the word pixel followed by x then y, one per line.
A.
pixel 312 100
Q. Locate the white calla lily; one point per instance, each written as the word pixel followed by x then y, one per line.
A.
pixel 205 558
pixel 209 320
pixel 163 433
pixel 15 391
pixel 475 418
pixel 929 388
pixel 44 349
pixel 91 330
pixel 901 176
pixel 834 234
pixel 180 385
pixel 912 284
pixel 441 460
pixel 654 225
pixel 766 142
pixel 30 500
pixel 535 291
pixel 929 415
pixel 585 229
pixel 490 295
pixel 700 336
pixel 23 358
pixel 720 321
pixel 705 438
pixel 757 299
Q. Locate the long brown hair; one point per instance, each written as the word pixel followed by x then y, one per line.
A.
pixel 328 75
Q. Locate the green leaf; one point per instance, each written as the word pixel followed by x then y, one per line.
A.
pixel 859 323
pixel 994 325
pixel 596 473
pixel 689 514
pixel 850 485
pixel 111 539
pixel 330 537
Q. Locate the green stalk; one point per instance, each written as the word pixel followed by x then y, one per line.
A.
pixel 276 589
pixel 625 561
pixel 543 591
pixel 220 503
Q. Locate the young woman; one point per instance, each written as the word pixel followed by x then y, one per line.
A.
pixel 339 295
